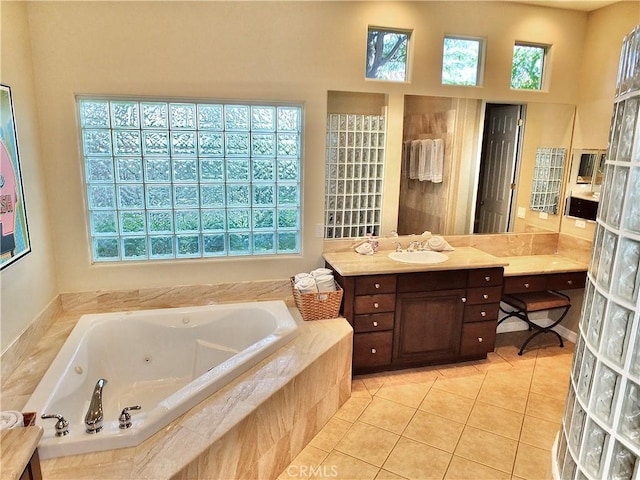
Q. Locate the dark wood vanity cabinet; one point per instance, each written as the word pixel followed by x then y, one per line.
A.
pixel 413 319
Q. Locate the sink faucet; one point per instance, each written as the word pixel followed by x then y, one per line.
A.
pixel 94 417
pixel 413 246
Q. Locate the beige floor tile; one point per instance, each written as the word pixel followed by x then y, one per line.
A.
pixel 339 466
pixel 304 464
pixel 410 394
pixel 550 382
pixel 498 420
pixel 448 405
pixel 547 408
pixel 532 463
pixel 520 376
pixel 387 414
pixel 327 438
pixel 464 386
pixel 539 433
pixel 359 389
pixel 487 448
pixel 434 430
pixel 352 408
pixel 459 370
pixel 372 383
pixel 493 362
pixel 415 460
pixel 511 397
pixel 367 443
pixel 386 475
pixel 463 469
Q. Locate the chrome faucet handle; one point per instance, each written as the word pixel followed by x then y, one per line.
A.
pixel 412 246
pixel 398 246
pixel 62 425
pixel 125 417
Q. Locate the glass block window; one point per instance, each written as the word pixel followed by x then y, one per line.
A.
pixel 387 54
pixel 461 61
pixel 354 173
pixel 170 180
pixel 547 179
pixel 528 66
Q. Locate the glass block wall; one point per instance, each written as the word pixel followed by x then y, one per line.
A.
pixel 547 179
pixel 354 169
pixel 600 434
pixel 170 179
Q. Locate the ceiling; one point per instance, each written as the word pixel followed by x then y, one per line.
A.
pixel 582 5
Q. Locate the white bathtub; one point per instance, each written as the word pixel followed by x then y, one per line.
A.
pixel 165 360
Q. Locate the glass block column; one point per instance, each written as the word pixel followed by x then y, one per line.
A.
pixel 354 169
pixel 600 434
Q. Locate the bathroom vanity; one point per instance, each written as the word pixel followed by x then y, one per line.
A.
pixel 408 315
pixel 20 454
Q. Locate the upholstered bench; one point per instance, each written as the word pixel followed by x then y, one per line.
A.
pixel 525 303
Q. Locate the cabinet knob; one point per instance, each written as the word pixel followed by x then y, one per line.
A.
pixel 479 339
pixel 483 314
pixel 526 285
pixel 464 299
pixel 376 305
pixel 377 285
pixel 373 350
pixel 485 296
pixel 375 324
pixel 569 282
pixel 487 279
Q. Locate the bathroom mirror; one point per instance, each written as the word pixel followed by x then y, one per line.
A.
pixel 547 179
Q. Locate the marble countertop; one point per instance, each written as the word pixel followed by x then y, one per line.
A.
pixel 18 444
pixel 351 263
pixel 540 264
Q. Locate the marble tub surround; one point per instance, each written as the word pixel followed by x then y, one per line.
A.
pixel 253 427
pixel 18 444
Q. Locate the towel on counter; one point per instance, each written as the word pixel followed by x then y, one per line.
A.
pixel 439 244
pixel 11 419
pixel 326 283
pixel 321 271
pixel 437 160
pixel 301 276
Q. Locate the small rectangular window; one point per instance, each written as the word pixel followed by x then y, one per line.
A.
pixel 461 61
pixel 387 54
pixel 168 179
pixel 528 66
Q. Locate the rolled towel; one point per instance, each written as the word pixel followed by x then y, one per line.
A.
pixel 326 283
pixel 321 271
pixel 307 285
pixel 300 276
pixel 439 244
pixel 11 419
pixel 365 249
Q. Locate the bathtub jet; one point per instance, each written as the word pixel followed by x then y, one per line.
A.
pixel 169 361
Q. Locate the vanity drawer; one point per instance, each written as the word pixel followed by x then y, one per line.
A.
pixel 481 313
pixel 372 349
pixel 373 284
pixel 483 295
pixel 566 281
pixel 525 283
pixel 478 339
pixel 373 322
pixel 385 302
pixel 485 277
pixel 431 281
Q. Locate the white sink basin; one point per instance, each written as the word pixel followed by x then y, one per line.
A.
pixel 425 257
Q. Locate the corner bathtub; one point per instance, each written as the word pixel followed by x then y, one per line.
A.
pixel 166 361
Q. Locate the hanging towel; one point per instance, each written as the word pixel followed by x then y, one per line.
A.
pixel 406 158
pixel 425 172
pixel 414 159
pixel 437 160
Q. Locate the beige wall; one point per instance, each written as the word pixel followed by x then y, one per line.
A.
pixel 29 284
pixel 290 51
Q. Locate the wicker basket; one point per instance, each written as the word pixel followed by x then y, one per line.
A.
pixel 317 306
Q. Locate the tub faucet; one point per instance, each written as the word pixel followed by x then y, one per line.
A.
pixel 94 417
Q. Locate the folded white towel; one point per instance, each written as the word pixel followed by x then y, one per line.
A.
pixel 437 160
pixel 326 283
pixel 307 285
pixel 321 271
pixel 300 276
pixel 11 419
pixel 439 244
pixel 365 248
pixel 414 159
pixel 425 172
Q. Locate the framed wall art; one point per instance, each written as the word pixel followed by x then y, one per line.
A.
pixel 14 231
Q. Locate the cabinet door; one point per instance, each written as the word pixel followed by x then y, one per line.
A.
pixel 428 326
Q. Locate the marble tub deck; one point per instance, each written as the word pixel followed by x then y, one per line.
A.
pixel 251 428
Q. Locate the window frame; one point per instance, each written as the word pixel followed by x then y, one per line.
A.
pixel 546 58
pixel 480 67
pixel 174 209
pixel 393 30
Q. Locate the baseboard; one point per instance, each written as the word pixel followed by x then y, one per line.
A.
pixel 516 325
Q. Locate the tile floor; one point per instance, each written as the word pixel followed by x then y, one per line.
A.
pixel 490 419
